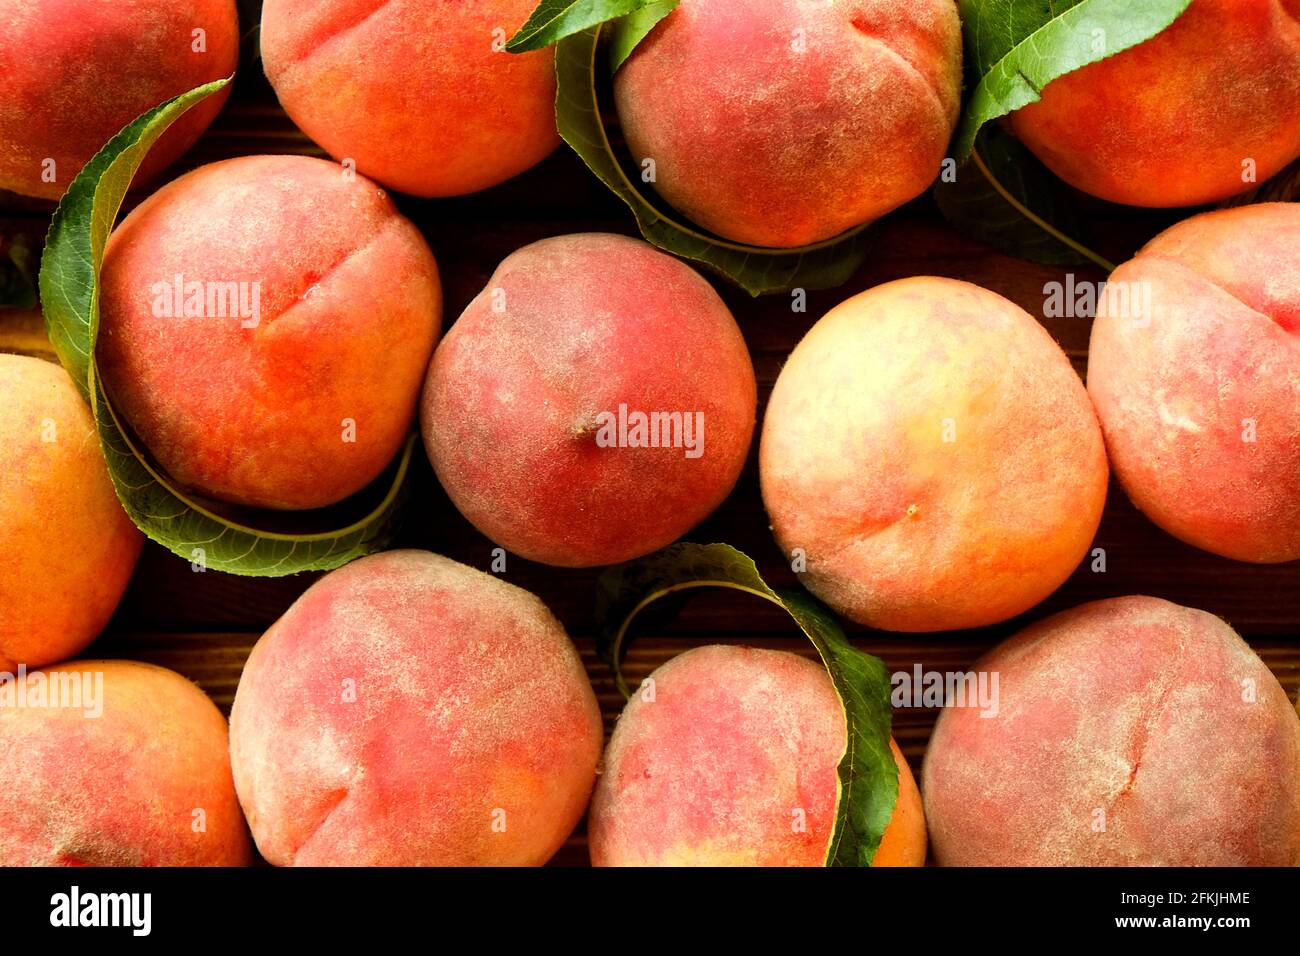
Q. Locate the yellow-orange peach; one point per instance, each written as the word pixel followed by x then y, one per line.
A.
pixel 727 757
pixel 67 549
pixel 930 460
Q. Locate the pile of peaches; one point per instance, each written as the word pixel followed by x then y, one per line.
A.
pixel 929 460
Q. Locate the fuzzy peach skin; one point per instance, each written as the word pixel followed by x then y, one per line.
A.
pixel 1129 731
pixel 145 782
pixel 67 549
pixel 732 763
pixel 515 401
pixel 420 94
pixel 77 71
pixel 786 122
pixel 1197 390
pixel 306 401
pixel 1173 121
pixel 411 711
pixel 932 458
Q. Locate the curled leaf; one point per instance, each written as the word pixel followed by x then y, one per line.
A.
pixel 867 774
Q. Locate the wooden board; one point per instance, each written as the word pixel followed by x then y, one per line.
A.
pixel 203 624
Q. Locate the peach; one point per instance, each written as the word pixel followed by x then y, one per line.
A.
pixel 1129 731
pixel 420 95
pixel 408 710
pixel 115 763
pixel 787 122
pixel 265 326
pixel 930 460
pixel 77 71
pixel 732 762
pixel 1196 114
pixel 67 549
pixel 1195 373
pixel 594 402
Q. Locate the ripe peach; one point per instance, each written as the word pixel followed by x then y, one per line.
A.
pixel 67 549
pixel 77 71
pixel 783 122
pixel 266 323
pixel 408 710
pixel 1130 731
pixel 421 96
pixel 594 402
pixel 115 763
pixel 1197 390
pixel 1196 114
pixel 732 763
pixel 932 458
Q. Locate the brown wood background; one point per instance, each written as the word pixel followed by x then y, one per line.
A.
pixel 203 625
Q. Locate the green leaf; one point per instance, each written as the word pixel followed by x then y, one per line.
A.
pixel 1017 48
pixel 188 527
pixel 191 528
pixel 553 20
pixel 868 776
pixel 17 279
pixel 627 32
pixel 755 269
pixel 1004 196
